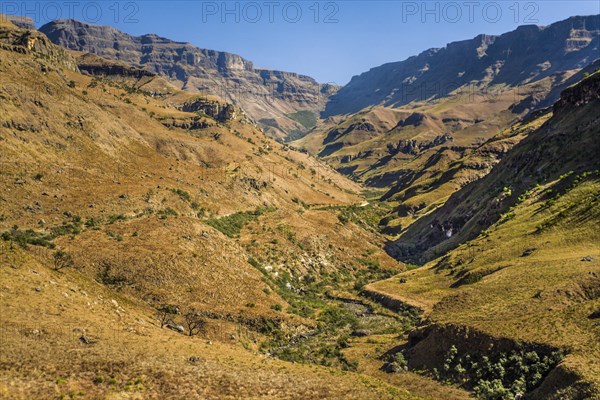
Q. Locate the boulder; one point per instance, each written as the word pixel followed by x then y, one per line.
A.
pixel 176 328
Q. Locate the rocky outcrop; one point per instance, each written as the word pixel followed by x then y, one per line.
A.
pixel 20 22
pixel 576 96
pixel 413 147
pixel 25 41
pixel 220 112
pixel 415 119
pixel 97 66
pixel 190 124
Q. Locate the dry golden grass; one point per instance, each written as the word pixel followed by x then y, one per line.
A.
pixel 44 314
pixel 91 159
pixel 544 297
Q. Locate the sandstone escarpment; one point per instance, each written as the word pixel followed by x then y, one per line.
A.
pixel 263 94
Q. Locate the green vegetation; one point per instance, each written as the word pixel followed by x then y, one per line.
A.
pixel 62 260
pixel 185 196
pixel 300 202
pixel 367 216
pixel 115 236
pixel 165 213
pixel 498 376
pixel 322 346
pixel 28 237
pixel 337 319
pixel 307 119
pixel 232 225
pixel 107 277
pixel 398 363
pixel 116 218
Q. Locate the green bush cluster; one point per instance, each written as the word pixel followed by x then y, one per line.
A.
pixel 165 213
pixel 309 298
pixel 116 218
pixel 398 363
pixel 322 346
pixel 370 216
pixel 233 224
pixel 185 196
pixel 108 277
pixel 500 376
pixel 27 237
pixel 30 237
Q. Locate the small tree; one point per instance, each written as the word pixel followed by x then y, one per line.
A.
pixel 165 313
pixel 62 260
pixel 195 321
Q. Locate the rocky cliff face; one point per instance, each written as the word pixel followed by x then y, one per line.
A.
pixel 220 112
pixel 94 65
pixel 25 41
pixel 20 22
pixel 524 55
pixel 264 94
pixel 581 94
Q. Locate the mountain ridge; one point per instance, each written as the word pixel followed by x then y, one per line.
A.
pixel 359 94
pixel 268 96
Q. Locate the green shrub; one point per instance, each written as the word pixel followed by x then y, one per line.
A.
pixel 165 213
pixel 62 260
pixel 399 363
pixel 116 217
pixel 185 196
pixel 498 376
pixel 28 237
pixel 233 224
pixel 107 277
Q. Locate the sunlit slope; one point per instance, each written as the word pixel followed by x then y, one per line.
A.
pixel 523 263
pixel 567 144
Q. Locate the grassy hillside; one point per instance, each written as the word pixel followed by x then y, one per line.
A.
pixel 519 274
pixel 67 336
pixel 564 148
pixel 424 152
pixel 156 244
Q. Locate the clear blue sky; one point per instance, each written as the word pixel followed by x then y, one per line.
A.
pixel 329 40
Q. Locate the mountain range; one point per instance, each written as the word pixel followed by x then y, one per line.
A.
pixel 175 222
pixel 284 103
pixel 521 57
pixel 423 128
